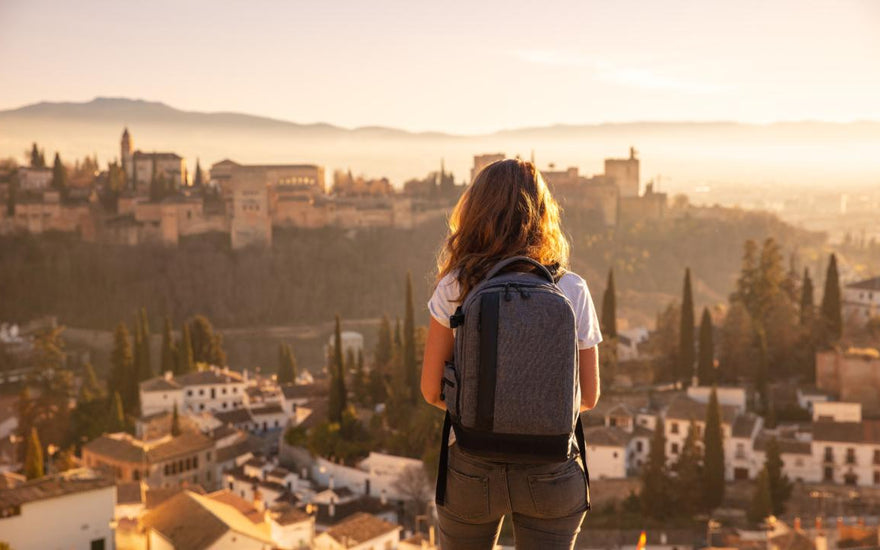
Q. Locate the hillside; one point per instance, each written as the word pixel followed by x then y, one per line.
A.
pixel 684 153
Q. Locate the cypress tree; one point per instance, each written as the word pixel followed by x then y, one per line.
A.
pixel 122 361
pixel 609 308
pixel 169 360
pixel 713 461
pixel 282 363
pixel 59 176
pixel 38 159
pixel 384 344
pixel 33 459
pixel 185 360
pixel 686 332
pixel 762 505
pixel 706 364
pixel 832 318
pixel 398 339
pixel 779 485
pixel 138 353
pixel 688 475
pixel 116 417
pixel 175 422
pixel 409 343
pixel 807 306
pixel 656 484
pixel 207 344
pixel 287 365
pixel 198 180
pixel 338 395
pixel 90 382
pixel 145 371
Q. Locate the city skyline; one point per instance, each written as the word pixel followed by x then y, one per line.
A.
pixel 457 69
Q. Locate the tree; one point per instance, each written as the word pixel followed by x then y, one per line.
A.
pixel 286 365
pixel 807 307
pixel 686 332
pixel 398 338
pixel 59 176
pixel 91 387
pixel 207 345
pixel 338 396
pixel 663 343
pixel 145 364
pixel 688 475
pixel 762 505
pixel 779 485
pixel 656 484
pixel 198 180
pixel 713 449
pixel 38 157
pixel 832 317
pixel 416 488
pixel 409 344
pixel 609 308
pixel 33 460
pixel 706 362
pixel 384 344
pixel 122 362
pixel 169 351
pixel 175 422
pixel 116 418
pixel 736 349
pixel 185 360
pixel 748 279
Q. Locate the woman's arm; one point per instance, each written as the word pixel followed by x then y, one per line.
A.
pixel 438 350
pixel 589 377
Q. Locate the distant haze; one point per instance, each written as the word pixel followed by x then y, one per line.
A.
pixel 684 154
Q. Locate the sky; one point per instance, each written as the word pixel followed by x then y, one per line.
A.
pixel 453 66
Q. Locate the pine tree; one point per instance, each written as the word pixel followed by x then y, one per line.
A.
pixel 169 359
pixel 122 362
pixel 59 176
pixel 686 332
pixel 116 416
pixel 762 505
pixel 748 279
pixel 832 318
pixel 38 159
pixel 175 422
pixel 185 361
pixel 779 484
pixel 609 308
pixel 656 484
pixel 689 475
pixel 706 363
pixel 33 460
pixel 338 397
pixel 807 307
pixel 713 455
pixel 409 344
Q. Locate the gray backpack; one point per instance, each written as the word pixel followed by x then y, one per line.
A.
pixel 512 389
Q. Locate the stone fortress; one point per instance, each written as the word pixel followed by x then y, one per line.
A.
pixel 248 202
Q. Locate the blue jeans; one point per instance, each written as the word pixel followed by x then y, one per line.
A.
pixel 546 502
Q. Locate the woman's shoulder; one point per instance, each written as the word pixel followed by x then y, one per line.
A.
pixel 570 278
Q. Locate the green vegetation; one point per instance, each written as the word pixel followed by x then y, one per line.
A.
pixel 706 361
pixel 287 370
pixel 33 458
pixel 686 332
pixel 713 449
pixel 832 319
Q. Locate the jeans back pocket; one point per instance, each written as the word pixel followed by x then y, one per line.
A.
pixel 467 496
pixel 560 493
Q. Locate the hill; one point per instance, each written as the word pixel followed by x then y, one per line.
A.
pixel 686 154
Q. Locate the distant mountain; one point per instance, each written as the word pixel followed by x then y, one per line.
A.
pixel 684 153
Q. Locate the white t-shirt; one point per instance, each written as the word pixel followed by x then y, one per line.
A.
pixel 442 304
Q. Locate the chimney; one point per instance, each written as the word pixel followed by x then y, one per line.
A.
pixel 431 536
pixel 169 375
pixel 819 523
pixel 383 498
pixel 331 483
pixel 797 524
pixel 305 473
pixel 821 542
pixel 663 538
pixel 331 510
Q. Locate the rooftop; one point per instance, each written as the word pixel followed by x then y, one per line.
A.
pixel 867 431
pixel 867 284
pixel 685 408
pixel 123 447
pixel 70 482
pixel 360 528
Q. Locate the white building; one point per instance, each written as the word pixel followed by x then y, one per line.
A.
pixel 213 389
pixel 351 342
pixel 606 452
pixel 34 179
pixel 69 510
pixel 360 532
pixel 861 301
pixel 375 475
pixel 628 342
pixel 291 527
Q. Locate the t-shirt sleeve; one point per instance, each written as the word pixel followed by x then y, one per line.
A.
pixel 587 320
pixel 442 303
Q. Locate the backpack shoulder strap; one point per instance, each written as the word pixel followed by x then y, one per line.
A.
pixel 541 268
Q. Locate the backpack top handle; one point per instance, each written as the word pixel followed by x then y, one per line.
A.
pixel 542 269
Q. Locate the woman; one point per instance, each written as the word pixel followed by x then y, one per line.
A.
pixel 508 211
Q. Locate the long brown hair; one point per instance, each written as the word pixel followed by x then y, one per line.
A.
pixel 506 211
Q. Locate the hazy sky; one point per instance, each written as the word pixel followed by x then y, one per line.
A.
pixel 457 66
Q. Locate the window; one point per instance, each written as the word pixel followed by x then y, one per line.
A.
pixel 189 393
pixel 202 392
pixel 224 391
pixel 675 448
pixel 829 454
pixel 674 428
pixel 828 474
pixel 208 456
pixel 850 455
pixel 195 462
pixel 876 478
pixel 97 544
pixel 639 446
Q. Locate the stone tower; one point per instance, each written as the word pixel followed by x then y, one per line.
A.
pixel 126 154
